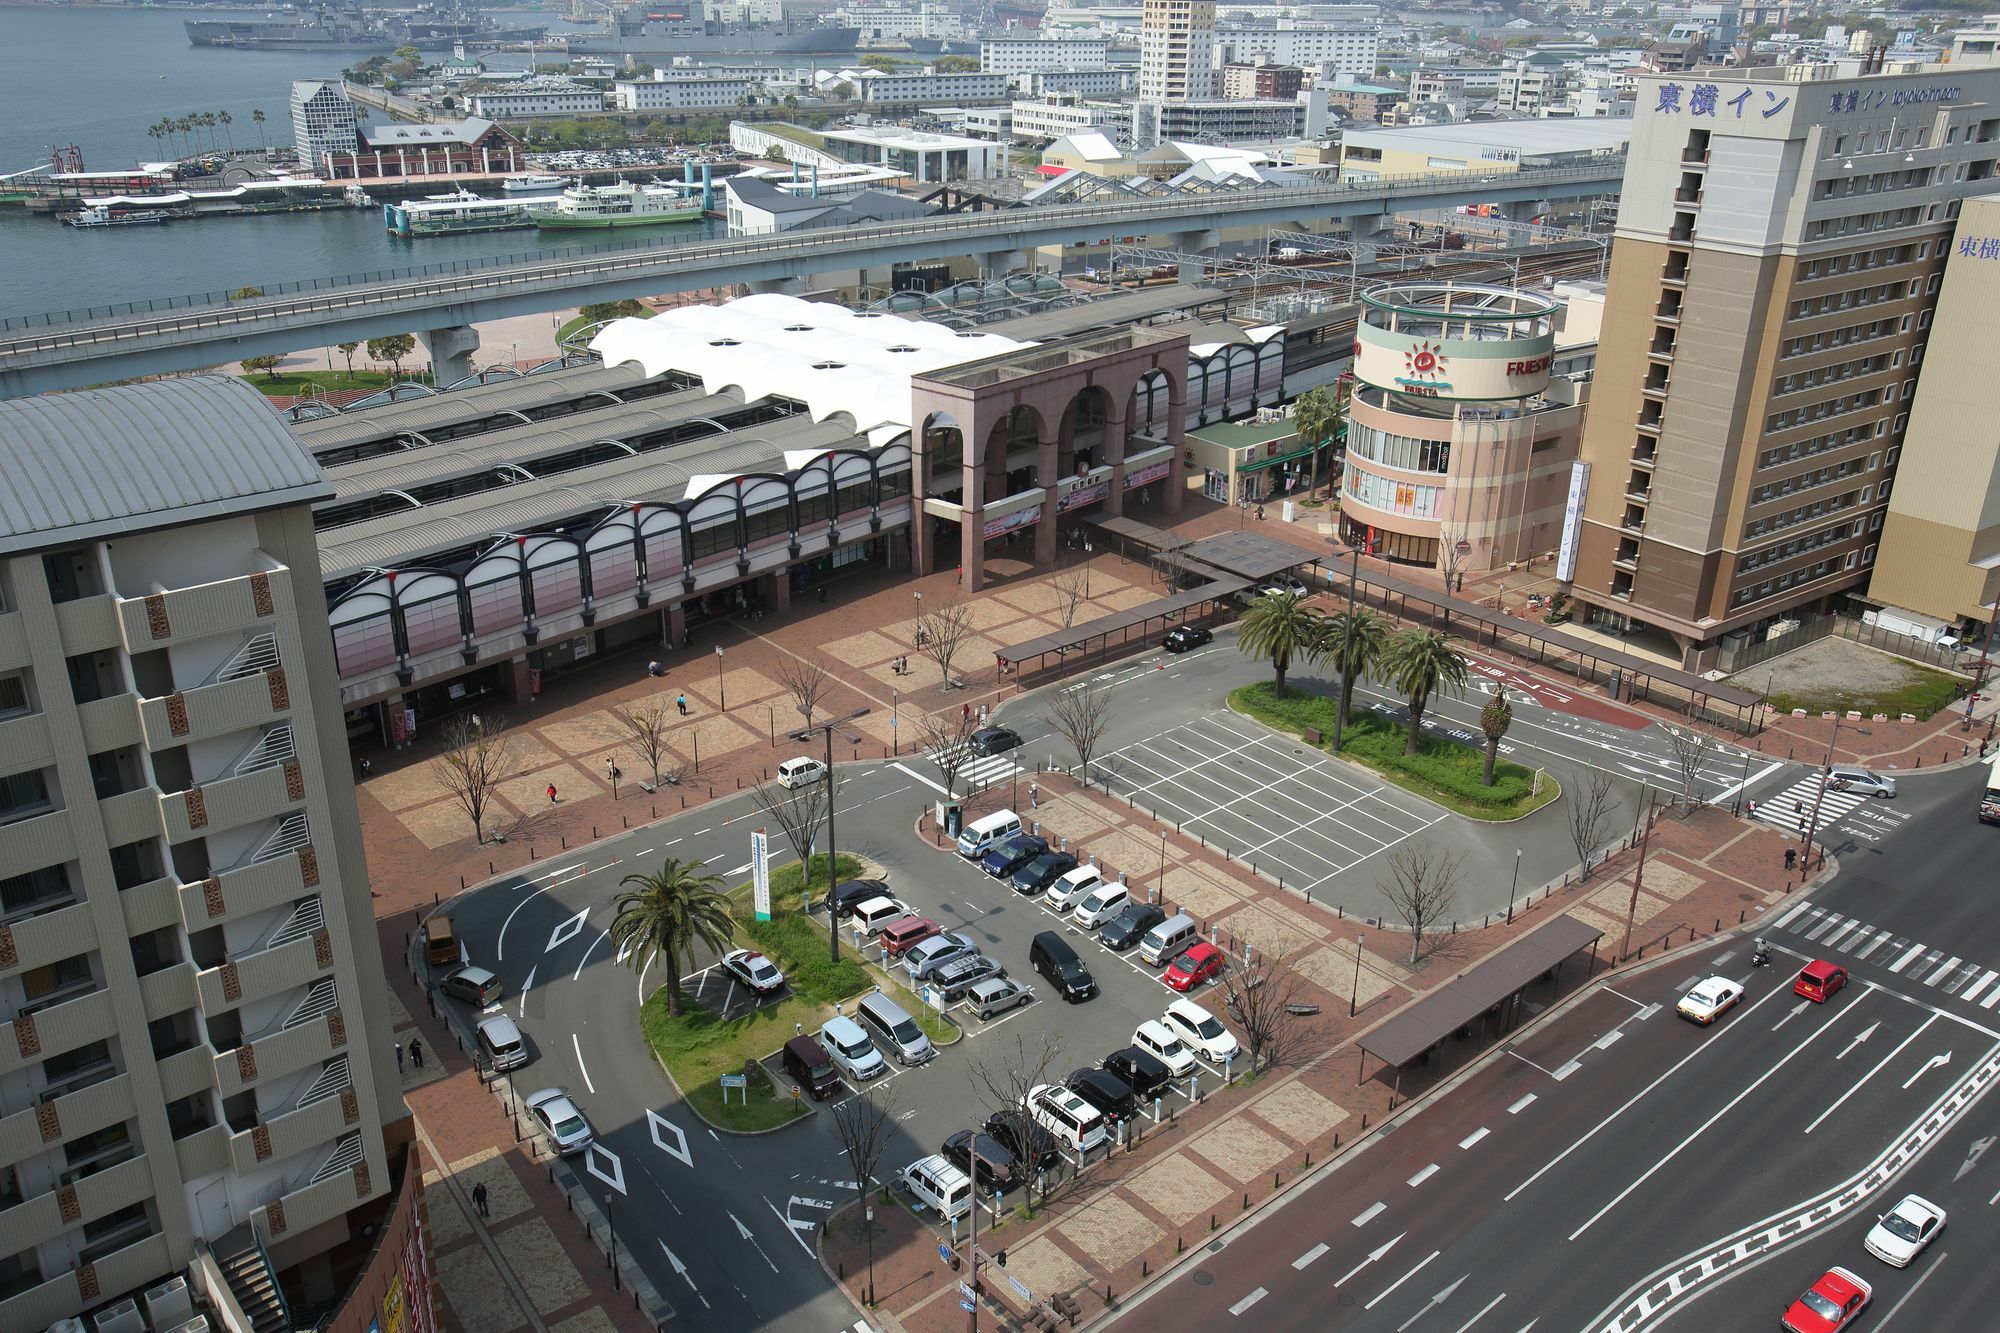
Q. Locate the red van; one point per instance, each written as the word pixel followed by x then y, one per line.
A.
pixel 899 936
pixel 1819 980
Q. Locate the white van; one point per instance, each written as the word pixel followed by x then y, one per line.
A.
pixel 1164 942
pixel 801 772
pixel 1075 1122
pixel 938 1185
pixel 1072 888
pixel 980 835
pixel 870 917
pixel 1100 905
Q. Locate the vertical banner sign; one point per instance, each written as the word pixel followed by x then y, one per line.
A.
pixel 1579 485
pixel 760 873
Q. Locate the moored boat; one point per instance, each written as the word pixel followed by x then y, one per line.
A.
pixel 622 205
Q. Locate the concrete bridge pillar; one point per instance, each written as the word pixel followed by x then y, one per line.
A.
pixel 1195 243
pixel 451 350
pixel 999 263
pixel 780 286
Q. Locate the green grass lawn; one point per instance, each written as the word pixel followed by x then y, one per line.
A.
pixel 1922 695
pixel 575 322
pixel 1442 770
pixel 292 383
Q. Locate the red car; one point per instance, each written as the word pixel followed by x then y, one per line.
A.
pixel 1200 963
pixel 1834 1302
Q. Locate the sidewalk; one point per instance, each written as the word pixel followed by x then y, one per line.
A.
pixel 1209 1166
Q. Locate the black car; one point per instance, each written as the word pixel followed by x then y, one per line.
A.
pixel 1184 637
pixel 1007 857
pixel 993 740
pixel 1107 1092
pixel 851 893
pixel 1142 1071
pixel 1016 1131
pixel 1057 962
pixel 1043 871
pixel 999 1168
pixel 1130 926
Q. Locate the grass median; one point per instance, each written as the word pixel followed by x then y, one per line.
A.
pixel 1443 770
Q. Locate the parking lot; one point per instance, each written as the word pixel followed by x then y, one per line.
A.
pixel 1265 799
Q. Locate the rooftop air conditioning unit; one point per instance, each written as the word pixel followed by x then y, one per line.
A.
pixel 169 1304
pixel 124 1317
pixel 198 1324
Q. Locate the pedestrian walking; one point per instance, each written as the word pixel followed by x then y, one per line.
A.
pixel 1791 858
pixel 681 702
pixel 417 1052
pixel 399 1057
pixel 965 713
pixel 822 596
pixel 1034 796
pixel 479 1199
pixel 552 793
pixel 366 769
pixel 612 771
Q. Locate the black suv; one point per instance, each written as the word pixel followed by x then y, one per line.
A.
pixel 1130 926
pixel 1107 1092
pixel 999 1168
pixel 1141 1070
pixel 1016 1131
pixel 1056 961
pixel 851 893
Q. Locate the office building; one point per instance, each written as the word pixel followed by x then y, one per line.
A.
pixel 196 1055
pixel 323 121
pixel 1782 236
pixel 880 89
pixel 1176 50
pixel 530 98
pixel 1351 50
pixel 1940 548
pixel 1064 114
pixel 674 92
pixel 1030 52
pixel 1487 147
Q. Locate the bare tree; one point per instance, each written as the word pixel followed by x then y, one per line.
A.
pixel 478 756
pixel 945 737
pixel 1451 560
pixel 1072 586
pixel 863 1124
pixel 1263 996
pixel 943 626
pixel 1590 807
pixel 1177 570
pixel 1423 888
pixel 645 726
pixel 1003 1077
pixel 800 813
pixel 1691 745
pixel 806 681
pixel 1079 714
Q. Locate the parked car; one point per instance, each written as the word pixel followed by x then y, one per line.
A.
pixel 1110 1094
pixel 987 1160
pixel 1043 871
pixel 851 893
pixel 1130 925
pixel 1201 1030
pixel 1202 962
pixel 906 933
pixel 849 1047
pixel 1100 905
pixel 501 1042
pixel 1016 1131
pixel 927 956
pixel 754 970
pixel 474 985
pixel 962 973
pixel 560 1118
pixel 1007 857
pixel 996 995
pixel 1051 956
pixel 1287 583
pixel 1143 1073
pixel 994 740
pixel 1155 1039
pixel 1184 637
pixel 1072 888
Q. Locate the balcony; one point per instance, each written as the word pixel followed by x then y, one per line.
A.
pixel 246 890
pixel 343 1181
pixel 203 1153
pixel 70 1115
pixel 108 723
pixel 87 624
pixel 257 974
pixel 230 606
pixel 168 991
pixel 286 1136
pixel 44 840
pixel 41 1219
pixel 279 1052
pixel 50 937
pixel 13 640
pixel 26 743
pixel 215 710
pixel 230 802
pixel 185 1073
pixel 124 1269
pixel 58 1029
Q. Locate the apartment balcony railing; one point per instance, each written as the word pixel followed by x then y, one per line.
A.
pixel 66 1115
pixel 230 802
pixel 253 886
pixel 48 1215
pixel 183 615
pixel 261 973
pixel 286 1136
pixel 215 709
pixel 283 1050
pixel 124 1269
pixel 57 1029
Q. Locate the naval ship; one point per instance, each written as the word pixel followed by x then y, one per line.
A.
pixel 346 27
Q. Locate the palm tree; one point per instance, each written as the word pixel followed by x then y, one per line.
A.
pixel 1278 627
pixel 1494 719
pixel 1353 644
pixel 1317 414
pixel 208 123
pixel 1419 662
pixel 671 911
pixel 228 120
pixel 257 118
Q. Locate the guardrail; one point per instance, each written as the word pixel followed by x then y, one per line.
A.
pixel 572 266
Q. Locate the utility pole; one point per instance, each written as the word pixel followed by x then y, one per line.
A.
pixel 1346 642
pixel 832 854
pixel 1638 877
pixel 1812 822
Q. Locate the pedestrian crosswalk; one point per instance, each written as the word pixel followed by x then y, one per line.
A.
pixel 1792 809
pixel 976 773
pixel 1911 960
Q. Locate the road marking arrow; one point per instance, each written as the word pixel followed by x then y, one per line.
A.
pixel 681 1269
pixel 1979 1148
pixel 1860 1037
pixel 1796 1010
pixel 744 1232
pixel 1374 1255
pixel 1436 1301
pixel 1935 1062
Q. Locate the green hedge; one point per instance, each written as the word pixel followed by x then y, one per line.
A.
pixel 1445 764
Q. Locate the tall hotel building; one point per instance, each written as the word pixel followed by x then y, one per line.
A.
pixel 1782 237
pixel 194 1058
pixel 1176 50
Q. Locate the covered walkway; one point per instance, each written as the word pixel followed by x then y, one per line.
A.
pixel 1076 644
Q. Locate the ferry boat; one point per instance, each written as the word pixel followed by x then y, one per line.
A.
pixel 101 216
pixel 453 214
pixel 621 205
pixel 533 182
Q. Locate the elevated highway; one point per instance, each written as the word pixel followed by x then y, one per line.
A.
pixel 441 302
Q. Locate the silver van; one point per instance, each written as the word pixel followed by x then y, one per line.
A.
pixel 892 1025
pixel 847 1046
pixel 501 1042
pixel 981 834
pixel 938 1185
pixel 1164 942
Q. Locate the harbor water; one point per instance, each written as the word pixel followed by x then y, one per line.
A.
pixel 92 77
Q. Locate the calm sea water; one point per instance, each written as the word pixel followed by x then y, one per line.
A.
pixel 93 77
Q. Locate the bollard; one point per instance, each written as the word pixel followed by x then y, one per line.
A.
pixel 564 839
pixel 1309 1158
pixel 1145 1269
pixel 1364 1120
pixel 593 833
pixel 626 822
pixel 1246 1201
pixel 461 884
pixel 1277 1179
pixel 1718 926
pixel 1211 1221
pixel 1180 1246
pixel 434 899
pixel 489 867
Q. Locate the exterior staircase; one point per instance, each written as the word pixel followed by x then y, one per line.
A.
pixel 254 1286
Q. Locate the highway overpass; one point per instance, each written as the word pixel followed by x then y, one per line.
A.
pixel 441 302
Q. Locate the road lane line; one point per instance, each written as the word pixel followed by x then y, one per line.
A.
pixel 1474 1137
pixel 577 1046
pixel 1644 1092
pixel 1401 1280
pixel 1791 916
pixel 1856 1086
pixel 1566 1070
pixel 1373 1211
pixel 1907 958
pixel 1423 1175
pixel 1310 1255
pixel 786 1222
pixel 1932 979
pixel 1521 1105
pixel 1971 992
pixel 1483 1313
pixel 601 937
pixel 1726 1108
pixel 1248 1301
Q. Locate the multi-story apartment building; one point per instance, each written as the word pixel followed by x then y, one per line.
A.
pixel 323 121
pixel 908 89
pixel 1526 90
pixel 195 1051
pixel 1176 50
pixel 675 92
pixel 1351 49
pixel 1267 82
pixel 1029 52
pixel 1781 243
pixel 1065 113
pixel 529 98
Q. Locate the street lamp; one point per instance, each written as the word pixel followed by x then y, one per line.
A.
pixel 721 690
pixel 1354 996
